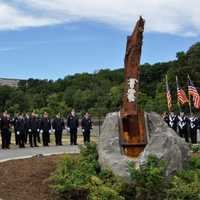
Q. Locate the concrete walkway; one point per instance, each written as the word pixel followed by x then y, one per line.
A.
pixel 28 152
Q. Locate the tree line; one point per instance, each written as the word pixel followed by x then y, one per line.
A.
pixel 101 92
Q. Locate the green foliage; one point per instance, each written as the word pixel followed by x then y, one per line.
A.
pixel 196 148
pixel 81 178
pixel 149 180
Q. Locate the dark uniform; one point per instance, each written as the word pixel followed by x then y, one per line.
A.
pixel 27 121
pixel 20 131
pixel 173 122
pixel 15 131
pixel 183 127
pixel 58 125
pixel 86 125
pixel 166 119
pixel 5 132
pixel 33 128
pixel 72 124
pixel 45 127
pixel 193 126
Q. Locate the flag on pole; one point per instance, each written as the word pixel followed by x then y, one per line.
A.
pixel 194 93
pixel 181 96
pixel 169 96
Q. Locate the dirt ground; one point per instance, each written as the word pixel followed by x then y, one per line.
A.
pixel 27 179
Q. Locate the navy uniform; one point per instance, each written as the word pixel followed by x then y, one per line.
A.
pixel 86 124
pixel 45 129
pixel 183 126
pixel 20 126
pixel 166 118
pixel 5 126
pixel 15 131
pixel 58 126
pixel 27 121
pixel 173 121
pixel 32 129
pixel 193 125
pixel 72 124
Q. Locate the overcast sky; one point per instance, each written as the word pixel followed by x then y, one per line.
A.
pixel 54 38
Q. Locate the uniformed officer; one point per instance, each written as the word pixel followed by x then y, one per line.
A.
pixel 173 121
pixel 20 130
pixel 5 126
pixel 86 124
pixel 72 126
pixel 15 119
pixel 27 121
pixel 45 129
pixel 33 127
pixel 183 126
pixel 38 130
pixel 58 126
pixel 193 126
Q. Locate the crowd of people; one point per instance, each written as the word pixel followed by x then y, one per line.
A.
pixel 28 128
pixel 185 126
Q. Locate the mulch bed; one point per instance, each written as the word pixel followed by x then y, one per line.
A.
pixel 27 179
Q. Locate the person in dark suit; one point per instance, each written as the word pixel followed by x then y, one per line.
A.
pixel 5 126
pixel 72 126
pixel 15 119
pixel 58 126
pixel 32 129
pixel 45 129
pixel 86 124
pixel 193 126
pixel 182 124
pixel 173 121
pixel 20 130
pixel 27 121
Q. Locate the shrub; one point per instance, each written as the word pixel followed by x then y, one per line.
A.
pixel 195 148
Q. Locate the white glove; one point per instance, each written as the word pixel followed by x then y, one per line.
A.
pixel 41 131
pixel 49 131
pixel 83 130
pixel 17 132
pixel 54 130
pixel 68 129
pixel 38 130
pixel 29 130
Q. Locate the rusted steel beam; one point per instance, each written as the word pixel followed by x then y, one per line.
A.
pixel 132 137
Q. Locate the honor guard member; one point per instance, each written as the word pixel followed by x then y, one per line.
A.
pixel 72 126
pixel 86 124
pixel 193 125
pixel 45 129
pixel 38 130
pixel 27 121
pixel 32 129
pixel 166 117
pixel 58 126
pixel 173 121
pixel 15 119
pixel 20 130
pixel 183 126
pixel 5 126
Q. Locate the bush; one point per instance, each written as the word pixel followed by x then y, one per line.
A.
pixel 195 148
pixel 149 180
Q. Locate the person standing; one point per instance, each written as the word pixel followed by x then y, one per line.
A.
pixel 182 123
pixel 20 130
pixel 5 126
pixel 27 121
pixel 86 124
pixel 15 119
pixel 72 126
pixel 58 126
pixel 193 126
pixel 173 121
pixel 32 129
pixel 45 129
pixel 38 130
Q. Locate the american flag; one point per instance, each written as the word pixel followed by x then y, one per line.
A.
pixel 194 93
pixel 182 98
pixel 169 96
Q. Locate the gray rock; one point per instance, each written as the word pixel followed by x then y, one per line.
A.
pixel 165 144
pixel 110 156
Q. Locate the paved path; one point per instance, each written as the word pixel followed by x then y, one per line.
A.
pixel 28 152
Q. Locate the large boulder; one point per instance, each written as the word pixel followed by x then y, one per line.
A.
pixel 165 144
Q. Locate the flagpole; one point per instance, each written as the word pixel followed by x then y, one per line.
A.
pixel 190 105
pixel 179 106
pixel 167 92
